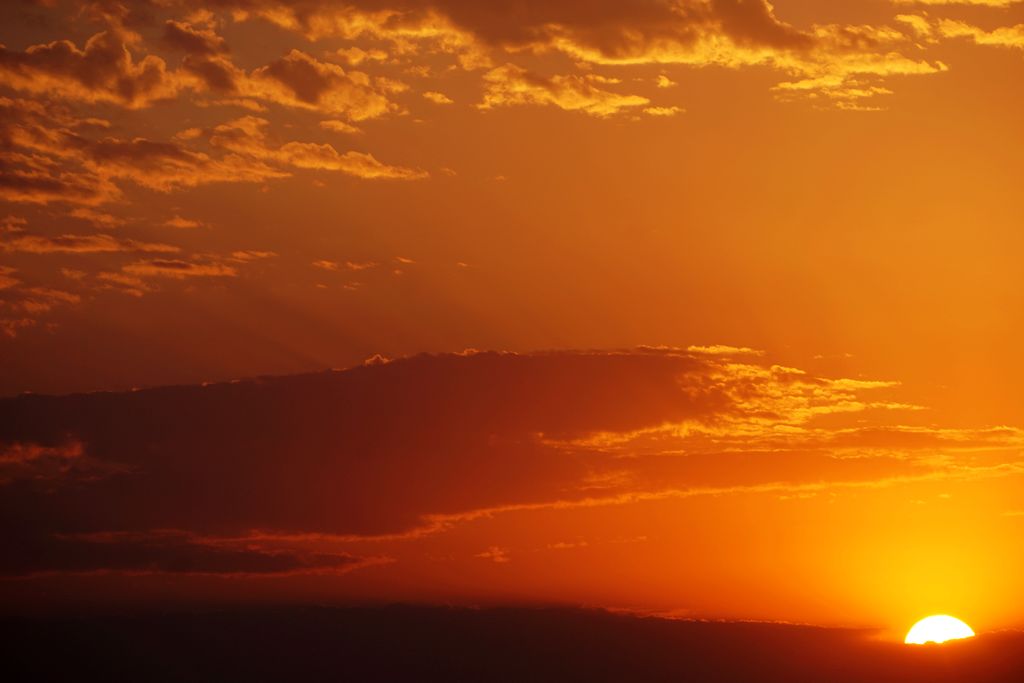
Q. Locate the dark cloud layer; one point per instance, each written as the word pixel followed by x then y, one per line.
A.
pixel 384 448
pixel 164 552
pixel 365 451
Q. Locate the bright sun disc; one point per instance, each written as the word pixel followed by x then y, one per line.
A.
pixel 938 629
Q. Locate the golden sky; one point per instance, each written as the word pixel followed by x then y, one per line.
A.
pixel 771 253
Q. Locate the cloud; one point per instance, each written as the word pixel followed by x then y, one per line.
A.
pixel 248 137
pixel 11 326
pixel 1004 36
pixel 168 552
pixel 663 111
pixel 512 85
pixel 249 255
pixel 409 28
pixel 182 223
pixel 437 97
pixel 494 433
pixel 178 269
pixel 81 244
pixel 104 70
pixel 32 461
pixel 300 80
pixel 35 300
pixel 192 39
pixel 49 159
pixel 98 219
pixel 21 305
pixel 339 127
pixel 496 555
pixel 729 33
pixel 166 166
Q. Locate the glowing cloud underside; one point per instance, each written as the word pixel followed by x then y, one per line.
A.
pixel 938 629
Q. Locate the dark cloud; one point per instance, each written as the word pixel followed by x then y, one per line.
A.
pixel 368 450
pixel 166 552
pixel 386 447
pixel 102 71
pixel 218 74
pixel 178 269
pixel 80 244
pixel 193 40
pixel 301 474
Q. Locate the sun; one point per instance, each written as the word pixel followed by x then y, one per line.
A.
pixel 938 629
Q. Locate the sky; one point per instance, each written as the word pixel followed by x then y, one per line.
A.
pixel 701 307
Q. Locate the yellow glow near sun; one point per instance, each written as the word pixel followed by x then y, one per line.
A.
pixel 938 629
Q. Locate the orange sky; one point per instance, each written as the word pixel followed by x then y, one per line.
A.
pixel 799 223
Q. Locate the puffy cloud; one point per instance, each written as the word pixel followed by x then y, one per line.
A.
pixel 193 39
pixel 102 71
pixel 97 218
pixel 123 283
pixel 357 55
pixel 49 159
pixel 299 80
pixel 165 166
pixel 409 27
pixel 511 85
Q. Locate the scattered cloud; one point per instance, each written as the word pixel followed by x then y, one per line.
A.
pixel 339 127
pixel 81 244
pixel 1004 36
pixel 437 98
pixel 510 85
pixel 104 70
pixel 247 137
pixel 98 219
pixel 183 223
pixel 663 111
pixel 178 269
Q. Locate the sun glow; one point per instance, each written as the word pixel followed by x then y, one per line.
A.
pixel 938 629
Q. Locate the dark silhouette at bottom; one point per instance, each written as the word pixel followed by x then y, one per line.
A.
pixel 404 643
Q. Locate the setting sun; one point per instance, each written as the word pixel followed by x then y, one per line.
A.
pixel 938 629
